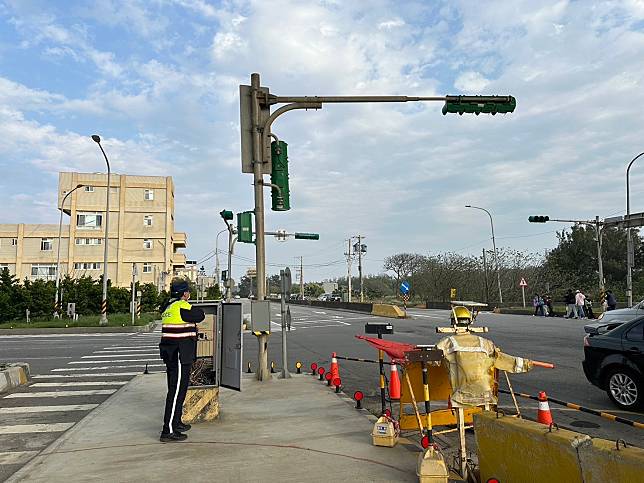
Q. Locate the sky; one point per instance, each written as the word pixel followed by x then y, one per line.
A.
pixel 159 81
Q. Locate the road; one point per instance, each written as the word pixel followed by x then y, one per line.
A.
pixel 75 373
pixel 72 374
pixel 319 332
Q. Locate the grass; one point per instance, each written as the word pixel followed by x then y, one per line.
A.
pixel 114 320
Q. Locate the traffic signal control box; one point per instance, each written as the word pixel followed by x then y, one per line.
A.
pixel 245 227
pixel 280 197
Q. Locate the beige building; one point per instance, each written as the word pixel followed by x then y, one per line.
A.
pixel 141 231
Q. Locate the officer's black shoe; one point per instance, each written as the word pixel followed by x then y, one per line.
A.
pixel 182 428
pixel 172 437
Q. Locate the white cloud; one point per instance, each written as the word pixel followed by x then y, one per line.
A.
pixel 472 82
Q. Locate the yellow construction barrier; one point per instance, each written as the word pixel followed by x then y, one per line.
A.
pixel 606 461
pixel 201 404
pixel 388 310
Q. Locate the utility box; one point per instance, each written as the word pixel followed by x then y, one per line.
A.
pixel 384 433
pixel 260 316
pixel 206 330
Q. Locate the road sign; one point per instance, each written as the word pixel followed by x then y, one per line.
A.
pixel 246 126
pixel 404 287
pixel 523 283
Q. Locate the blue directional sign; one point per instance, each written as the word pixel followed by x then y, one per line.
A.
pixel 404 288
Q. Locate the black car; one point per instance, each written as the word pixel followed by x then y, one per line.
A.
pixel 614 362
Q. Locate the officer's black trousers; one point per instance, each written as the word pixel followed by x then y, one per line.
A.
pixel 178 378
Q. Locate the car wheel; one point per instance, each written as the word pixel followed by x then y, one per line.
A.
pixel 624 388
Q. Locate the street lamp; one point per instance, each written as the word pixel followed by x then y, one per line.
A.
pixel 217 272
pixel 496 257
pixel 103 321
pixel 227 216
pixel 60 229
pixel 629 240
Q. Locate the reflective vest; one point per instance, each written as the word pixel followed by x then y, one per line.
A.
pixel 173 326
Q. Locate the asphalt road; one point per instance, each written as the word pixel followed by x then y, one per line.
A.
pixel 316 333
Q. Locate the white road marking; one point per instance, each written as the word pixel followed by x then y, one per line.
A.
pixel 120 355
pixel 16 457
pixel 321 313
pixel 80 383
pixel 132 347
pixel 48 409
pixel 59 336
pixel 35 358
pixel 110 374
pixel 124 350
pixel 35 428
pixel 64 369
pixel 93 392
pixel 117 360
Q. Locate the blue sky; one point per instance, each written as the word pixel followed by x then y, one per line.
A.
pixel 158 79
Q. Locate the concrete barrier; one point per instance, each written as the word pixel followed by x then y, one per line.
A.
pixel 603 461
pixel 388 310
pixel 14 375
pixel 511 449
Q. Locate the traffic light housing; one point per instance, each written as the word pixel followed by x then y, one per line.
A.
pixel 479 104
pixel 226 215
pixel 280 198
pixel 307 236
pixel 245 227
pixel 538 219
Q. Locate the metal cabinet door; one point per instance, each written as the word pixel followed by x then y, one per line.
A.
pixel 230 362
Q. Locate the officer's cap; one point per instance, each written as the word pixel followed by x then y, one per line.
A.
pixel 179 287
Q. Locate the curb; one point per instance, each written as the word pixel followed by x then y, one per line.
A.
pixel 16 374
pixel 80 330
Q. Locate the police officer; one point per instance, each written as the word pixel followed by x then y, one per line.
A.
pixel 178 349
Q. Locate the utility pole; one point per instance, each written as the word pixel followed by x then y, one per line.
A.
pixel 302 277
pixel 133 307
pixel 360 267
pixel 487 293
pixel 598 233
pixel 349 254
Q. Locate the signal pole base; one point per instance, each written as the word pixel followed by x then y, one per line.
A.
pixel 262 358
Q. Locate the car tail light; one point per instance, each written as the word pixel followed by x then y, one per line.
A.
pixel 586 341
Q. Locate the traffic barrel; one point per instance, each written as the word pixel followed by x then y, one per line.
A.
pixel 544 416
pixel 394 383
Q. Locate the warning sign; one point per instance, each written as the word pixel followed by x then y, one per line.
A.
pixel 523 283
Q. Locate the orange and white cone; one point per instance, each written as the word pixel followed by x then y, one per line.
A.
pixel 544 416
pixel 335 370
pixel 394 383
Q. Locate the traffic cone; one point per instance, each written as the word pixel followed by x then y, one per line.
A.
pixel 544 416
pixel 335 370
pixel 394 383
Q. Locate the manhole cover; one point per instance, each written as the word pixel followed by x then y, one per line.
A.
pixel 584 424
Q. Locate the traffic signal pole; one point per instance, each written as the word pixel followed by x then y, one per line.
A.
pixel 260 251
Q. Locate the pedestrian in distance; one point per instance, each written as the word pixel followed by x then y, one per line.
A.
pixel 589 308
pixel 548 303
pixel 178 348
pixel 571 307
pixel 611 301
pixel 580 301
pixel 536 303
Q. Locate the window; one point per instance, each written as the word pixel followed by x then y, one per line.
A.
pixel 147 220
pixel 114 189
pixel 14 242
pixel 147 244
pixel 89 220
pixel 636 333
pixel 87 266
pixel 43 270
pixel 89 189
pixel 148 195
pixel 46 244
pixel 89 241
pixel 147 268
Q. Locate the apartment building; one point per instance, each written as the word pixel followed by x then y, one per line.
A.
pixel 141 232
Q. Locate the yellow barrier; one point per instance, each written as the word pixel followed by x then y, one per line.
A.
pixel 603 462
pixel 511 449
pixel 201 404
pixel 388 310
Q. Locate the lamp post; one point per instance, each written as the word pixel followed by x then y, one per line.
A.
pixel 103 321
pixel 629 240
pixel 496 257
pixel 60 229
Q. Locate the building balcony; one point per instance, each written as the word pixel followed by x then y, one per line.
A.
pixel 178 260
pixel 179 240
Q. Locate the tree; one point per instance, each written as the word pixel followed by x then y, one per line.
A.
pixel 244 286
pixel 213 292
pixel 313 289
pixel 403 264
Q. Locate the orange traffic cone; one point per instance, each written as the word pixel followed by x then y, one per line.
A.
pixel 394 383
pixel 335 370
pixel 544 416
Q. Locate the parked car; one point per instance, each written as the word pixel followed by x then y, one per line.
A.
pixel 614 362
pixel 611 319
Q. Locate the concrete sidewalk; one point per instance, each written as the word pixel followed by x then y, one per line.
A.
pixel 280 430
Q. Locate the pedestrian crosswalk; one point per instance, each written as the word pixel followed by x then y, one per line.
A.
pixel 33 416
pixel 313 320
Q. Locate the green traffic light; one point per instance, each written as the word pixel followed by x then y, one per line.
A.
pixel 307 236
pixel 479 104
pixel 280 198
pixel 226 214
